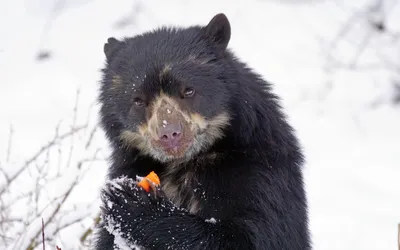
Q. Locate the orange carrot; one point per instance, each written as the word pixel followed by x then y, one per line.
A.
pixel 145 182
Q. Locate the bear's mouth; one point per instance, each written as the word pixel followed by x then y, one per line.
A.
pixel 194 139
pixel 174 149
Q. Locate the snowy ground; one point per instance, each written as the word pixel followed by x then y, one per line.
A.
pixel 344 117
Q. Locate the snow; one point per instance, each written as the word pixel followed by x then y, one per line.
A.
pixel 115 183
pixel 114 228
pixel 344 117
pixel 211 220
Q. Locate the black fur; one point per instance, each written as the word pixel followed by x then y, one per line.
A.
pixel 250 181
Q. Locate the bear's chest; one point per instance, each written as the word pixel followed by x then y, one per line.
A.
pixel 183 183
pixel 183 191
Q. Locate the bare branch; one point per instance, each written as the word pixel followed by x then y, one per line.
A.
pixel 75 114
pixel 93 131
pixel 53 214
pixel 40 152
pixel 373 17
pixel 361 48
pixel 90 111
pixel 15 199
pixel 46 206
pixel 4 237
pixel 11 220
pixel 44 248
pixel 5 174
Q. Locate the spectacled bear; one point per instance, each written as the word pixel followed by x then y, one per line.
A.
pixel 178 102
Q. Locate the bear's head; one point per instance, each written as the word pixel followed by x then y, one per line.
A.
pixel 165 92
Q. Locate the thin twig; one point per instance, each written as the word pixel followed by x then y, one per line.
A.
pixel 11 220
pixel 398 235
pixel 4 173
pixel 75 115
pixel 89 231
pixel 16 199
pixel 6 237
pixel 361 48
pixel 91 135
pixel 89 112
pixel 44 248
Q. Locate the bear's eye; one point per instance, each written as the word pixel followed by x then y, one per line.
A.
pixel 189 92
pixel 139 102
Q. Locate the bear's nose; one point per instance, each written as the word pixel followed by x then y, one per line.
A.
pixel 170 134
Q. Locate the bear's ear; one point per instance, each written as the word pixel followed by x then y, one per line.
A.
pixel 111 46
pixel 219 30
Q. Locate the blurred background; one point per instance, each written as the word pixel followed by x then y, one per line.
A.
pixel 336 65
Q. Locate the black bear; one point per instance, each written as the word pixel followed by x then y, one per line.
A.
pixel 177 101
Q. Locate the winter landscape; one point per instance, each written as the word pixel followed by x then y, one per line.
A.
pixel 335 64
